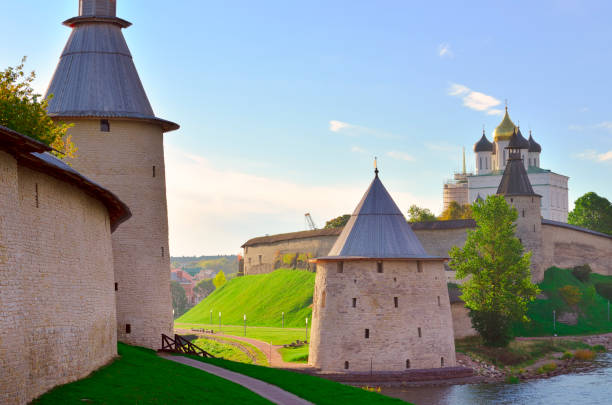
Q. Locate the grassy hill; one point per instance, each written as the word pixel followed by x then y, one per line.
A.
pixel 261 297
pixel 592 309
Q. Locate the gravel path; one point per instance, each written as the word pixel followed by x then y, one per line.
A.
pixel 270 392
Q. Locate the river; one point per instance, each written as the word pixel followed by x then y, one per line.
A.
pixel 592 387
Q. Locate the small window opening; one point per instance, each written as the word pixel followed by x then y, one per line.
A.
pixel 396 302
pixel 395 279
pixel 260 258
pixel 367 333
pixel 323 299
pixel 534 227
pixel 153 171
pixel 250 260
pixel 419 266
pixel 354 302
pixel 116 286
pixel 340 267
pixel 441 361
pixel 512 200
pixel 104 126
pixel 523 213
pixel 36 196
pixel 379 267
pixel 408 363
pixel 128 328
pixel 439 301
pixel 355 281
pixel 162 251
pixel 419 330
pixel 346 365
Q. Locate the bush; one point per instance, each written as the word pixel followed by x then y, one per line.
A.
pixel 605 290
pixel 582 273
pixel 567 356
pixel 600 348
pixel 571 294
pixel 547 368
pixel 512 379
pixel 494 329
pixel 584 354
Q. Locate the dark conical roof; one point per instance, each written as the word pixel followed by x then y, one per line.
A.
pixel 377 230
pixel 515 181
pixel 483 145
pixel 533 145
pixel 96 76
pixel 517 141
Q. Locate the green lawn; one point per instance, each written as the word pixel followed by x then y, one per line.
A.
pixel 139 376
pixel 261 297
pixel 278 336
pixel 592 309
pixel 311 388
pixel 295 354
pixel 226 351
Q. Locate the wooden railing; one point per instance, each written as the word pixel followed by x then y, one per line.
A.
pixel 181 345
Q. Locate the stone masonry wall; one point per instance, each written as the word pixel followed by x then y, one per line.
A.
pixel 338 328
pixel 462 323
pixel 57 318
pixel 129 161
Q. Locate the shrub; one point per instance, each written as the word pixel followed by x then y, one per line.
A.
pixel 571 294
pixel 605 290
pixel 600 348
pixel 582 273
pixel 567 356
pixel 584 354
pixel 547 368
pixel 512 379
pixel 289 258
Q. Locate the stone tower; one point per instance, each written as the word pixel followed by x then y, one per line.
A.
pixel 518 192
pixel 120 145
pixel 380 302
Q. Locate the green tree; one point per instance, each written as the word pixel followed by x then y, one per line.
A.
pixel 204 288
pixel 219 279
pixel 337 222
pixel 22 110
pixel 456 211
pixel 179 299
pixel 499 286
pixel 593 212
pixel 418 214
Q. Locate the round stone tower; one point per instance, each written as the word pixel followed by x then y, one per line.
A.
pixel 120 145
pixel 380 302
pixel 518 192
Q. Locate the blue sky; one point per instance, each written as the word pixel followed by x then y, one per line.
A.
pixel 283 105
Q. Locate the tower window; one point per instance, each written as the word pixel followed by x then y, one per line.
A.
pixel 439 301
pixel 346 365
pixel 162 251
pixel 534 227
pixel 441 361
pixel 354 302
pixel 323 299
pixel 419 266
pixel 260 258
pixel 419 330
pixel 104 126
pixel 379 267
pixel 250 261
pixel 396 302
pixel 340 267
pixel 367 333
pixel 153 171
pixel 116 286
pixel 36 195
pixel 523 213
pixel 408 363
pixel 128 328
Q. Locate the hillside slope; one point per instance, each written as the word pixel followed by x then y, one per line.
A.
pixel 261 297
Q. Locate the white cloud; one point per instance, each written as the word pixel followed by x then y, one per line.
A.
pixel 444 50
pixel 400 155
pixel 357 149
pixel 337 126
pixel 357 130
pixel 475 100
pixel 607 125
pixel 591 154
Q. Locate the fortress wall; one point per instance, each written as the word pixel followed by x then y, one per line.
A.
pixel 393 332
pixel 317 246
pixel 438 242
pixel 60 324
pixel 13 371
pixel 462 323
pixel 566 248
pixel 122 161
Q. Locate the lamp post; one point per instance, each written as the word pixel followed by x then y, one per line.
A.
pixel 244 324
pixel 219 321
pixel 283 324
pixel 306 330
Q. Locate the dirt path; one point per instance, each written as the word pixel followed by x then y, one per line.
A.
pixel 268 391
pixel 604 339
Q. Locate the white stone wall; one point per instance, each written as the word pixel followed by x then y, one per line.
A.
pixel 57 312
pixel 122 161
pixel 338 328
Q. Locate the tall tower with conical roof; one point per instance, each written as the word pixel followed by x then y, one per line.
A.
pixel 380 301
pixel 120 145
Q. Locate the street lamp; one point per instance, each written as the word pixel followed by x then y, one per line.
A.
pixel 244 324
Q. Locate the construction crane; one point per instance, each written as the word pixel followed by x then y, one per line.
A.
pixel 309 222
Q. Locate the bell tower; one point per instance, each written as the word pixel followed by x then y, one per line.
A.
pixel 120 145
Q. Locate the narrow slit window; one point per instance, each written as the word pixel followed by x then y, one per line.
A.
pixel 260 259
pixel 323 299
pixel 162 251
pixel 354 302
pixel 396 301
pixel 523 213
pixel 534 227
pixel 340 267
pixel 419 330
pixel 367 333
pixel 441 361
pixel 408 363
pixel 104 126
pixel 153 171
pixel 116 286
pixel 419 266
pixel 346 365
pixel 36 195
pixel 379 267
pixel 439 301
pixel 128 328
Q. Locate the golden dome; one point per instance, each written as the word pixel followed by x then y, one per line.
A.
pixel 505 129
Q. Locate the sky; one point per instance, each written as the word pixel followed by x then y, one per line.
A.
pixel 283 105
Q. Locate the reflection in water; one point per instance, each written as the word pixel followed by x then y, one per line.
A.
pixel 593 388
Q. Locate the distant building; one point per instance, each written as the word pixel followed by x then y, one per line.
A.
pixel 187 282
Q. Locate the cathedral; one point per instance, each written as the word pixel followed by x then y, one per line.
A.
pixel 491 159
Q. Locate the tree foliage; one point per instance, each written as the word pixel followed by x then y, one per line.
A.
pixel 593 212
pixel 418 214
pixel 179 299
pixel 571 294
pixel 204 288
pixel 456 211
pixel 499 286
pixel 337 222
pixel 24 111
pixel 219 279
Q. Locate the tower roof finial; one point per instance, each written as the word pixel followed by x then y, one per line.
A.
pixel 376 166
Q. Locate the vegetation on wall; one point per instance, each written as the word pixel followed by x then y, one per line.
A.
pixel 418 214
pixel 24 111
pixel 338 222
pixel 593 212
pixel 456 211
pixel 499 285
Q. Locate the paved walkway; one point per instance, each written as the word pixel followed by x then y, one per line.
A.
pixel 268 391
